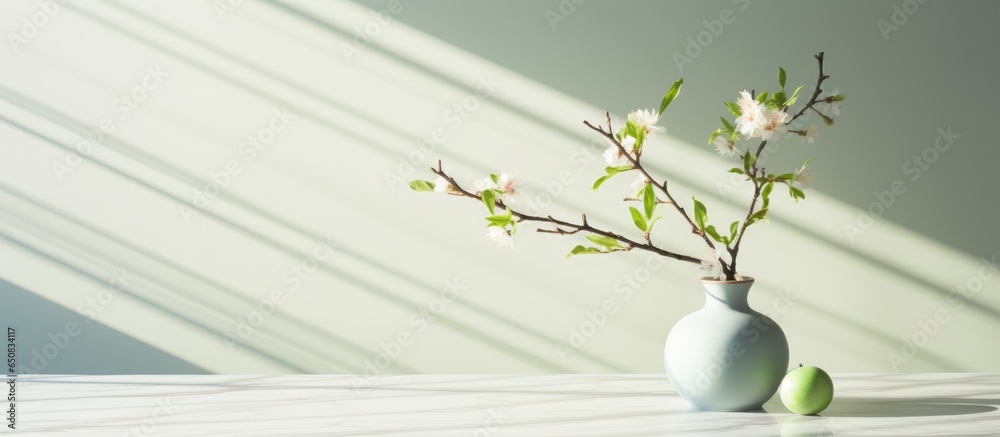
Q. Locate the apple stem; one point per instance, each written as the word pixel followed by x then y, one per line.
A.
pixel 800 364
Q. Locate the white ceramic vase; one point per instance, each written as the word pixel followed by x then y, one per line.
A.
pixel 726 356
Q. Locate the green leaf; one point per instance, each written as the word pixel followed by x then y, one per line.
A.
pixel 734 108
pixel 796 193
pixel 642 192
pixel 421 185
pixel 700 214
pixel 757 216
pixel 581 250
pixel 649 200
pixel 839 98
pixel 496 179
pixel 729 127
pixel 638 219
pixel 489 199
pixel 599 181
pixel 781 77
pixel 607 242
pixel 714 135
pixel 733 228
pixel 635 131
pixel 749 159
pixel 766 192
pixel 671 94
pixel 780 99
pixel 762 97
pixel 611 171
pixel 795 95
pixel 737 170
pixel 649 227
pixel 710 230
pixel 785 177
pixel 501 220
pixel 632 129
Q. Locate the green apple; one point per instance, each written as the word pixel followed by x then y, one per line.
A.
pixel 806 390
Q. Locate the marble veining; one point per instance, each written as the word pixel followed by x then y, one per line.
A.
pixel 485 405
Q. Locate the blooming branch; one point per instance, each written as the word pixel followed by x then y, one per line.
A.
pixel 614 242
pixel 763 182
pixel 762 117
pixel 635 163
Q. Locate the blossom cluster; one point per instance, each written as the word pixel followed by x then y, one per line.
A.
pixel 764 118
pixel 756 121
pixel 503 187
pixel 644 121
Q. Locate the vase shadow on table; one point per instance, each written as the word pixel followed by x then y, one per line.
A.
pixel 912 407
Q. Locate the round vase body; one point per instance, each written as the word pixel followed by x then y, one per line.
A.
pixel 726 356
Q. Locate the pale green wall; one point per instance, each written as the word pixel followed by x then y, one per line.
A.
pixel 323 178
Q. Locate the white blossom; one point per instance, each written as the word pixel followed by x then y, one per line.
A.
pixel 500 236
pixel 746 101
pixel 803 176
pixel 810 135
pixel 751 120
pixel 725 146
pixel 774 126
pixel 639 183
pixel 483 184
pixel 441 185
pixel 711 264
pixel 508 184
pixel 628 142
pixel 646 119
pixel 613 155
pixel 831 109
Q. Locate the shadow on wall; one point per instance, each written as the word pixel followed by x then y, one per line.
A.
pixel 866 67
pixel 52 339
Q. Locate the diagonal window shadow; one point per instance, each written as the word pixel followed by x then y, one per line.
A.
pixel 65 234
pixel 917 278
pixel 407 304
pixel 96 350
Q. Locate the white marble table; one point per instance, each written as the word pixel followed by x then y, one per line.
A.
pixel 485 405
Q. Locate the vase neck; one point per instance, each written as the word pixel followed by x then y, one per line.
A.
pixel 731 294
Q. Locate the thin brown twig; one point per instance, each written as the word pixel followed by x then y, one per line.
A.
pixel 819 89
pixel 562 225
pixel 636 165
pixel 635 199
pixel 559 231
